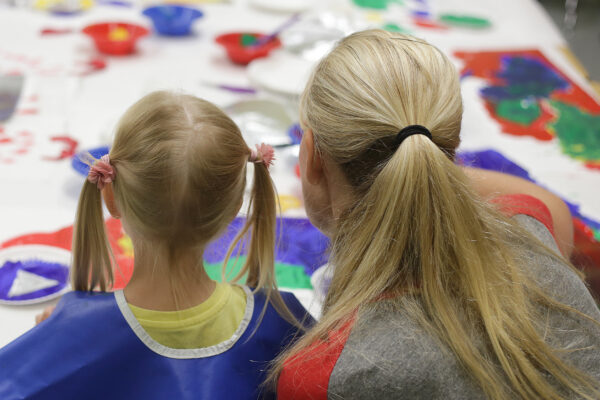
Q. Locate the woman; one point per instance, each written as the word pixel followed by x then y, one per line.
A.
pixel 448 282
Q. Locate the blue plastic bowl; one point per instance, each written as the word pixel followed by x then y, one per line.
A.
pixel 80 166
pixel 171 20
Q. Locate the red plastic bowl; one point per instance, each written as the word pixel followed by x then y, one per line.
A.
pixel 232 42
pixel 101 34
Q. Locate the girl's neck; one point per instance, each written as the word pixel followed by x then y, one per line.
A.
pixel 168 287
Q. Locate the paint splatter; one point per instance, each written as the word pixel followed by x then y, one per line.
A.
pixel 70 146
pixel 522 77
pixel 578 132
pixel 520 111
pixel 286 275
pixel 465 21
pixel 391 27
pixel 529 96
pixel 374 4
pixel 12 147
pixel 429 24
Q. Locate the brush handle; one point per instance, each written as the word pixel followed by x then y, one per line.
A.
pixel 266 39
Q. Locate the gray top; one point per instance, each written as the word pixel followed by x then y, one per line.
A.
pixel 389 356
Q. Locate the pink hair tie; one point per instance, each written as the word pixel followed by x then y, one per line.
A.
pixel 263 154
pixel 101 172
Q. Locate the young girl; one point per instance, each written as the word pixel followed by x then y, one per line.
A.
pixel 436 294
pixel 175 176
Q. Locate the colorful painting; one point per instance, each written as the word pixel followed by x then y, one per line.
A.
pixel 302 248
pixel 529 96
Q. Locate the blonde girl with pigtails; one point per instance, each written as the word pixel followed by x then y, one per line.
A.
pixel 176 177
pixel 449 282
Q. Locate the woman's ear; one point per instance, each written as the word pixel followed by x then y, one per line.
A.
pixel 311 163
pixel 109 199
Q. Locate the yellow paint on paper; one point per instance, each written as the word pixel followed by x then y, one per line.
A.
pixel 126 245
pixel 289 202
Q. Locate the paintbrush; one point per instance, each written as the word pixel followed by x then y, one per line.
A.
pixel 266 39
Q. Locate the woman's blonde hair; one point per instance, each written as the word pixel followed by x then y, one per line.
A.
pixel 180 179
pixel 417 233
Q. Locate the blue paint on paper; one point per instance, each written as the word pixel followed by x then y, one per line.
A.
pixel 495 161
pixel 524 77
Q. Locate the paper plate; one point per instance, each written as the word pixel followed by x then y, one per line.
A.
pixel 282 72
pixel 283 6
pixel 262 121
pixel 33 274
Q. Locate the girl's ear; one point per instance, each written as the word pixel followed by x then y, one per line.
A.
pixel 109 199
pixel 311 163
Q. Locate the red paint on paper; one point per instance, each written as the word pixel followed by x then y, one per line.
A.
pixel 70 146
pixel 63 237
pixel 429 24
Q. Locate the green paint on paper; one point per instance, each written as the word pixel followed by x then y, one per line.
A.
pixel 247 40
pixel 520 111
pixel 395 28
pixel 596 233
pixel 577 131
pixel 376 4
pixel 287 275
pixel 465 21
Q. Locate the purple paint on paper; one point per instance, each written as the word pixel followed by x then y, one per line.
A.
pixel 237 89
pixel 49 270
pixel 524 77
pixel 299 243
pixel 493 160
pixel 421 14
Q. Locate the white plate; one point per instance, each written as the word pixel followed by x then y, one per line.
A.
pixel 262 121
pixel 281 72
pixel 24 253
pixel 283 6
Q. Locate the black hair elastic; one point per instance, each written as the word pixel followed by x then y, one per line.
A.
pixel 412 130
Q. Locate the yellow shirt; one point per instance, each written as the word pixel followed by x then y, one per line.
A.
pixel 209 323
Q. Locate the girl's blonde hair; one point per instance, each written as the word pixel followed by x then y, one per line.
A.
pixel 180 179
pixel 417 234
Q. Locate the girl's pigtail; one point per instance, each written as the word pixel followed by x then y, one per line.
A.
pixel 92 267
pixel 260 223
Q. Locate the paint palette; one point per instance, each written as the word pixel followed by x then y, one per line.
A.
pixel 115 38
pixel 33 274
pixel 78 162
pixel 240 46
pixel 172 20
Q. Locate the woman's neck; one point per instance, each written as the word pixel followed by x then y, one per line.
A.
pixel 168 287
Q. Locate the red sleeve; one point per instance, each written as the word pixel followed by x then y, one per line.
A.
pixel 306 375
pixel 514 204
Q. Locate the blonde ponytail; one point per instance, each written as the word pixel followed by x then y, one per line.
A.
pixel 92 266
pixel 260 225
pixel 417 234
